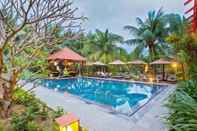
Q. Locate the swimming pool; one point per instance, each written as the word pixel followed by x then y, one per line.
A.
pixel 122 97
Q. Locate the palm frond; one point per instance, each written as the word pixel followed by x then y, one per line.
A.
pixel 139 21
pixel 133 41
pixel 137 52
pixel 132 29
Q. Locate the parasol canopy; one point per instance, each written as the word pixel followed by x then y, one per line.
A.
pixel 137 62
pixel 162 61
pixel 117 62
pixel 98 63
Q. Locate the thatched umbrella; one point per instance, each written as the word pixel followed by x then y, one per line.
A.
pixel 137 62
pixel 98 63
pixel 163 62
pixel 117 62
pixel 89 63
pixel 101 65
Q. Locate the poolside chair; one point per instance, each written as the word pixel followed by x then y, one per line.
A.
pixel 126 76
pixel 143 77
pixel 159 77
pixel 171 78
pixel 103 74
pixel 98 73
pixel 134 76
pixel 117 77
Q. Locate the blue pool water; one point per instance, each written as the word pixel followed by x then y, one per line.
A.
pixel 123 97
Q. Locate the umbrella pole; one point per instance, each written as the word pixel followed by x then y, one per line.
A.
pixel 163 72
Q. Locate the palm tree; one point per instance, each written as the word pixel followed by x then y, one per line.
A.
pixel 149 35
pixel 104 46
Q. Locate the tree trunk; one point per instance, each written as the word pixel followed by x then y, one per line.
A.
pixel 1 62
pixel 8 94
pixel 13 82
pixel 183 70
pixel 151 51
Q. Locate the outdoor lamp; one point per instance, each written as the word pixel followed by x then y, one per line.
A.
pixel 146 68
pixel 174 65
pixel 151 79
pixel 55 63
pixel 68 122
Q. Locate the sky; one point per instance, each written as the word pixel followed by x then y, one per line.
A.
pixel 115 14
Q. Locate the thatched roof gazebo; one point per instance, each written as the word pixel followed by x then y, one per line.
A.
pixel 68 55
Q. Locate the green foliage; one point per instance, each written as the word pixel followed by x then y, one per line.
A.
pixel 19 123
pixel 183 103
pixel 1 127
pixel 183 110
pixel 59 112
pixel 22 97
pixel 99 46
pixel 149 36
pixel 189 87
pixel 66 73
pixel 185 47
pixel 26 74
pixel 34 111
pixel 32 126
pixel 25 122
pixel 43 112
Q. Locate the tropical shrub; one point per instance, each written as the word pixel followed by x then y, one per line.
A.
pixel 189 87
pixel 43 112
pixel 35 110
pixel 22 97
pixel 32 126
pixel 59 112
pixel 183 103
pixel 19 123
pixel 183 112
pixel 24 122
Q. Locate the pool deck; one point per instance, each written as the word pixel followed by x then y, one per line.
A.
pixel 97 118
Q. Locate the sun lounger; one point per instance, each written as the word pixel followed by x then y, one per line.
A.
pixel 118 77
pixel 143 77
pixel 171 78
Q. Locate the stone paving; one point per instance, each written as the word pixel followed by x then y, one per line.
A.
pixel 96 118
